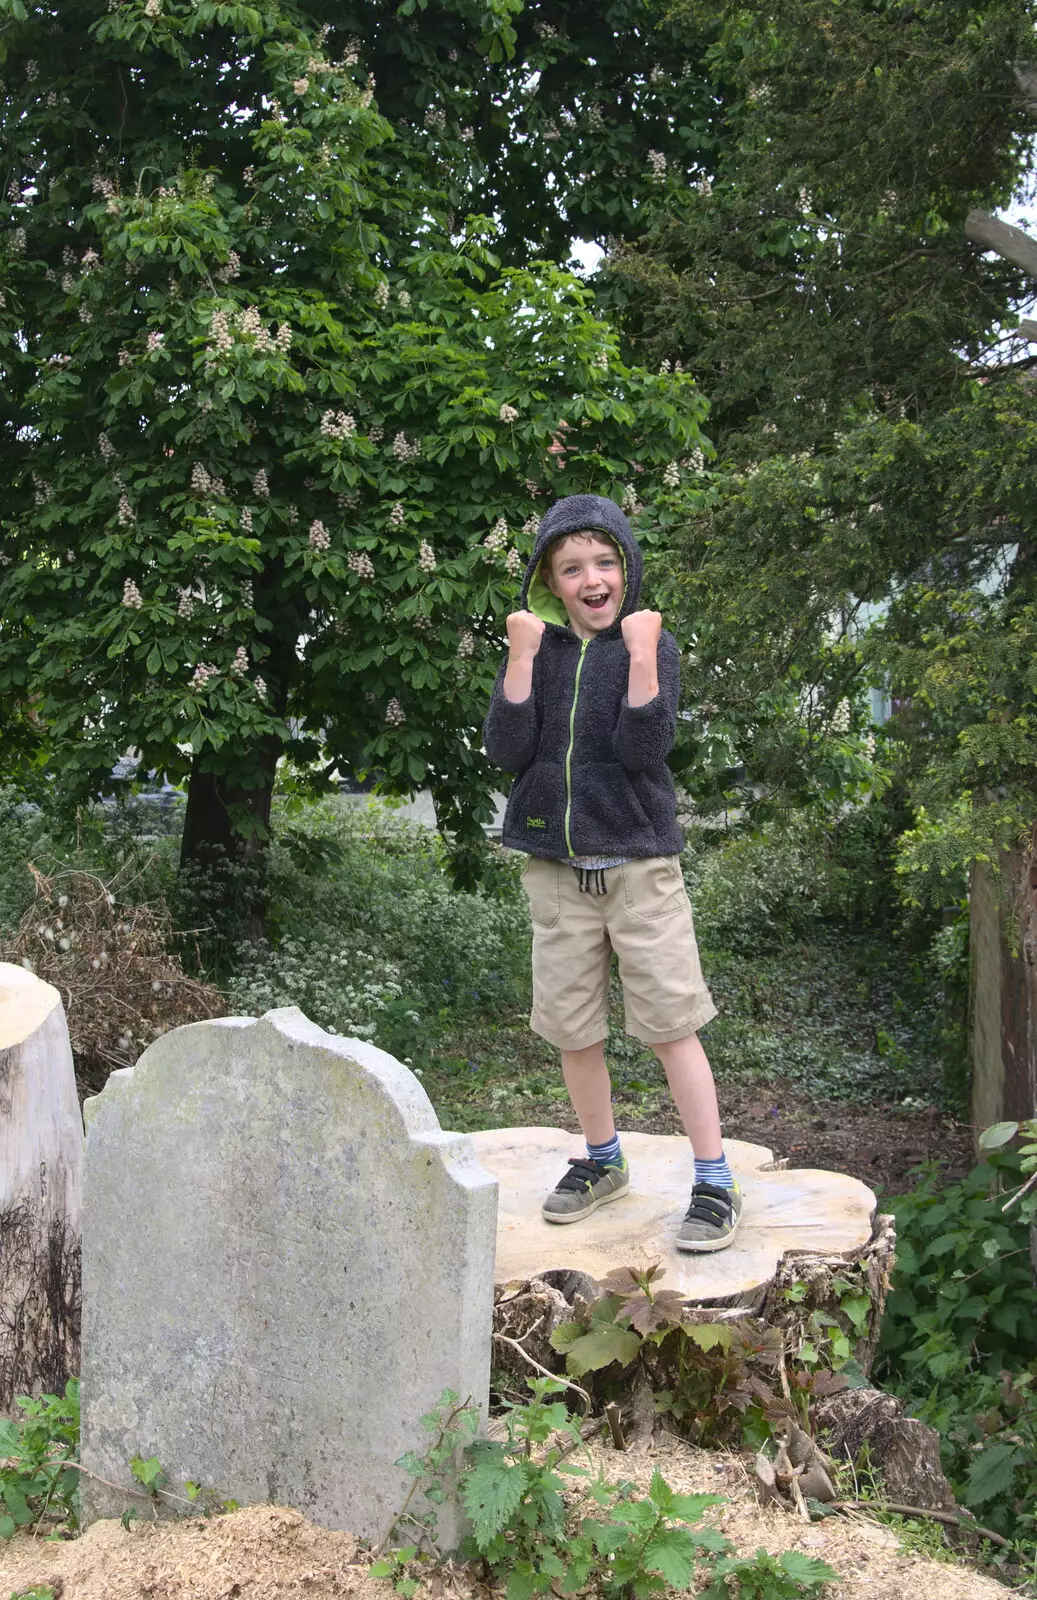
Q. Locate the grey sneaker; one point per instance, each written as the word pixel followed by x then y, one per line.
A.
pixel 586 1186
pixel 713 1218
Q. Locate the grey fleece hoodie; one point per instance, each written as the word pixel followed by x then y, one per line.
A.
pixel 592 774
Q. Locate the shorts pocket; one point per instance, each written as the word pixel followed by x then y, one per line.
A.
pixel 540 879
pixel 654 888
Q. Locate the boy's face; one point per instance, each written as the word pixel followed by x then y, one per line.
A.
pixel 586 573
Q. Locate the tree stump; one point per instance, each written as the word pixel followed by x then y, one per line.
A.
pixel 810 1241
pixel 41 1155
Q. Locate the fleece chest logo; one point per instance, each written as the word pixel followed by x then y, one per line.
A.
pixel 535 822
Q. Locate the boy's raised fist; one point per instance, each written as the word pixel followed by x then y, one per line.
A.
pixel 525 631
pixel 641 631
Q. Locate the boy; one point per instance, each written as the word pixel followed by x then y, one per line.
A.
pixel 585 712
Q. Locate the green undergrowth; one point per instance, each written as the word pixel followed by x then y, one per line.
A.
pixel 819 989
pixel 957 1336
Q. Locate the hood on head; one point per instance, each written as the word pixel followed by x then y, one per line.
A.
pixel 581 513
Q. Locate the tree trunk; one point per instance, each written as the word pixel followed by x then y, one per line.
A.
pixel 41 1154
pixel 226 837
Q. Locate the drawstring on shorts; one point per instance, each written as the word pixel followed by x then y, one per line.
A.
pixel 592 880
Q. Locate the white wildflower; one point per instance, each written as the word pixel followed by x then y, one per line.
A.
pixel 260 485
pixel 153 8
pixel 202 673
pixel 246 519
pixel 381 294
pixel 125 513
pixel 508 414
pixel 531 526
pixel 201 483
pixel 376 434
pixel 671 475
pixel 360 564
pixel 697 461
pixel 320 538
pixel 394 713
pixel 657 162
pixel 513 563
pixel 404 298
pixel 240 662
pixel 466 643
pixel 426 557
pixel 131 595
pixel 630 501
pixel 85 314
pixel 300 85
pixel 106 447
pixel 185 608
pixel 259 684
pixel 398 515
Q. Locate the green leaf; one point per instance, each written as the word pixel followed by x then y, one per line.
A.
pixel 492 1493
pixel 672 1553
pixel 1000 1134
pixel 709 1335
pixel 8 1527
pixel 600 1348
pixel 991 1473
pixel 806 1569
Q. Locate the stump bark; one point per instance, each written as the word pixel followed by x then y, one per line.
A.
pixel 41 1154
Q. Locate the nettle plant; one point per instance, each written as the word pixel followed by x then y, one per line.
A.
pixel 279 426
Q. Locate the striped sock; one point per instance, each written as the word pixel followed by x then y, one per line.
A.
pixel 715 1172
pixel 609 1153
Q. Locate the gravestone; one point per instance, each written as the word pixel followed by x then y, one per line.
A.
pixel 285 1263
pixel 41 1153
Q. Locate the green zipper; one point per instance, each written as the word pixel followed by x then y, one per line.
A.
pixel 569 753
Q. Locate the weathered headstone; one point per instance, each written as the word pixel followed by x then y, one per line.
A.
pixel 285 1262
pixel 41 1154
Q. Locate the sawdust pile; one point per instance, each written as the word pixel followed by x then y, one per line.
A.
pixel 269 1553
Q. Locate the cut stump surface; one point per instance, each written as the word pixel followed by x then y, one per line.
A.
pixel 784 1210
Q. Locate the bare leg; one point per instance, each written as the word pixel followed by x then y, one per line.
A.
pixel 590 1090
pixel 694 1094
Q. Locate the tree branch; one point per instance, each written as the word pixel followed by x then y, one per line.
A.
pixel 1012 244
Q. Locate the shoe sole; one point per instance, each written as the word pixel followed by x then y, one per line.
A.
pixel 578 1216
pixel 705 1247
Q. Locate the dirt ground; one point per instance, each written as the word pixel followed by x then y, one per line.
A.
pixel 270 1553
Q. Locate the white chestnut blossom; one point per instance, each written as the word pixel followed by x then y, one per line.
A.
pixel 360 564
pixel 260 485
pixel 466 643
pixel 426 557
pixel 398 515
pixel 202 673
pixel 497 537
pixel 337 425
pixel 508 414
pixel 657 162
pixel 394 713
pixel 320 538
pixel 131 595
pixel 671 475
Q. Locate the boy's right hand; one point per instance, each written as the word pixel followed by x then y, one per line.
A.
pixel 525 632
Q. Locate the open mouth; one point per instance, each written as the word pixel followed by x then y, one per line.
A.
pixel 597 602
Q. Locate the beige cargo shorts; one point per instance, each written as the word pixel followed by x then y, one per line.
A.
pixel 645 917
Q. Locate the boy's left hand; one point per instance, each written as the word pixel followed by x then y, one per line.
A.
pixel 641 632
